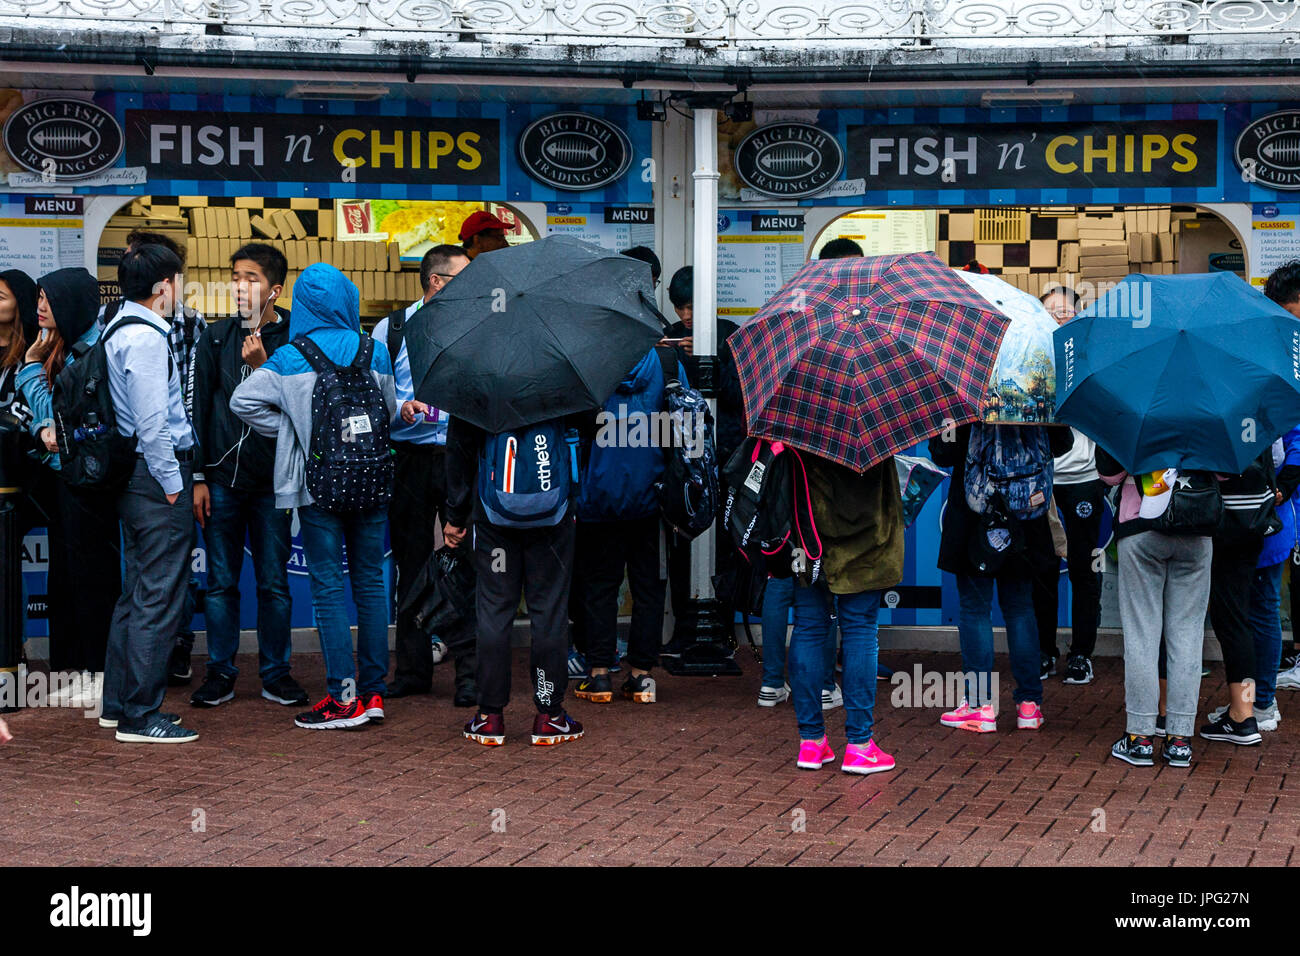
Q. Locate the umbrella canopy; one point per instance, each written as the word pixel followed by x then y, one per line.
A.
pixel 857 359
pixel 532 332
pixel 1189 372
pixel 1023 387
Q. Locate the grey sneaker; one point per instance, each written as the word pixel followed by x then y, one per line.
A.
pixel 158 730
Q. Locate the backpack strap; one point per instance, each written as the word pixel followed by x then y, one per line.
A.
pixel 317 359
pixel 667 362
pixel 396 332
pixel 365 350
pixel 803 500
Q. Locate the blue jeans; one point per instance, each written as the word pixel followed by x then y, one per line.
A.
pixel 234 515
pixel 778 598
pixel 1265 609
pixel 323 537
pixel 975 628
pixel 812 628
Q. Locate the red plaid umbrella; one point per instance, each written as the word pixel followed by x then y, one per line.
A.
pixel 857 359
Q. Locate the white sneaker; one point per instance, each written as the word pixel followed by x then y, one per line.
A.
pixel 771 696
pixel 1289 679
pixel 1267 718
pixel 832 698
pixel 439 651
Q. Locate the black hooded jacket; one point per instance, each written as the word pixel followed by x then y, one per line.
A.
pixel 73 295
pixel 24 291
pixel 231 453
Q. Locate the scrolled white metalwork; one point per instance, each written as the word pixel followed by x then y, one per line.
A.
pixel 777 22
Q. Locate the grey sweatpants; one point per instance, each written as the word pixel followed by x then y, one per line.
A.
pixel 1164 586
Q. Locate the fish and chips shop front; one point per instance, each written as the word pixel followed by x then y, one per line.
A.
pixel 1079 195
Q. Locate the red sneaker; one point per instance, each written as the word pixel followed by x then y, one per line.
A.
pixel 486 729
pixel 548 730
pixel 331 714
pixel 373 705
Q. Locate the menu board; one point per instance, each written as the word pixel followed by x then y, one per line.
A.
pixel 758 252
pixel 882 232
pixel 614 227
pixel 1274 238
pixel 38 244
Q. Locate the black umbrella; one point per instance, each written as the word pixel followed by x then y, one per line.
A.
pixel 532 332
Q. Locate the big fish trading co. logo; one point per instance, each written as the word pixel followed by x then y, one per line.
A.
pixel 66 138
pixel 1268 150
pixel 574 151
pixel 788 160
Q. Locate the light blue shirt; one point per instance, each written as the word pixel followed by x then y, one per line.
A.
pixel 422 432
pixel 147 397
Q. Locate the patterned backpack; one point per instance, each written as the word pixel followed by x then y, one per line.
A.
pixel 1014 461
pixel 350 461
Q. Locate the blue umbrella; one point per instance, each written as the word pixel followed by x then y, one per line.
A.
pixel 1190 372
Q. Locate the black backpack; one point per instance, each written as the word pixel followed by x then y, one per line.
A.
pixel 688 491
pixel 769 508
pixel 350 461
pixel 1195 506
pixel 92 452
pixel 1249 509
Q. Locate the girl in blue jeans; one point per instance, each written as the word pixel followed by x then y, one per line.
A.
pixel 778 599
pixel 859 521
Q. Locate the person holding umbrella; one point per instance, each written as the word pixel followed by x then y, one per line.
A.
pixel 1178 379
pixel 506 351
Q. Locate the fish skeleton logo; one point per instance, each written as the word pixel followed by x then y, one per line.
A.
pixel 574 151
pixel 1270 148
pixel 78 137
pixel 788 160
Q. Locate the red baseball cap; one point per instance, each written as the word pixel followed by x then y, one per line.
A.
pixel 478 222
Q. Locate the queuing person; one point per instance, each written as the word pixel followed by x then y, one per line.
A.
pixel 482 232
pixel 1251 636
pixel 617 508
pixel 509 560
pixel 19 328
pixel 277 401
pixel 1078 494
pixel 984 556
pixel 84 578
pixel 186 326
pixel 1164 591
pixel 859 519
pixel 419 435
pixel 234 491
pixel 156 507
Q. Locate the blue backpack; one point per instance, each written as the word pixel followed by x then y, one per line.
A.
pixel 623 464
pixel 1013 461
pixel 525 476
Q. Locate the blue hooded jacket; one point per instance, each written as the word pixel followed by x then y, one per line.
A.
pixel 1278 547
pixel 276 398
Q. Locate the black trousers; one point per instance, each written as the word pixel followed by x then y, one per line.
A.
pixel 84 576
pixel 418 504
pixel 1080 508
pixel 1232 572
pixel 604 550
pixel 537 562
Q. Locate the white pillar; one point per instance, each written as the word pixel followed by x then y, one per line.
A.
pixel 705 328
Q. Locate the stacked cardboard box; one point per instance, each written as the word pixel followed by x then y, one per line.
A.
pixel 1152 243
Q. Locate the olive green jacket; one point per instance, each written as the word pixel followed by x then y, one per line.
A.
pixel 860 523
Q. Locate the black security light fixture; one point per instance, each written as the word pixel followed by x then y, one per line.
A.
pixel 739 111
pixel 651 111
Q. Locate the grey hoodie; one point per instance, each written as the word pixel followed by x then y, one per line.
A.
pixel 276 398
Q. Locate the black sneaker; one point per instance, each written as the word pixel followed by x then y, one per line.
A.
pixel 157 730
pixel 595 688
pixel 1139 751
pixel 1160 726
pixel 639 688
pixel 286 691
pixel 215 690
pixel 1288 661
pixel 1241 732
pixel 1177 752
pixel 1048 666
pixel 179 671
pixel 1078 670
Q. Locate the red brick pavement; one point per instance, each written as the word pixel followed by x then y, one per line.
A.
pixel 703 777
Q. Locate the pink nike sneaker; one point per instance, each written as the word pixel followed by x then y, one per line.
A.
pixel 814 753
pixel 981 720
pixel 1029 716
pixel 866 758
